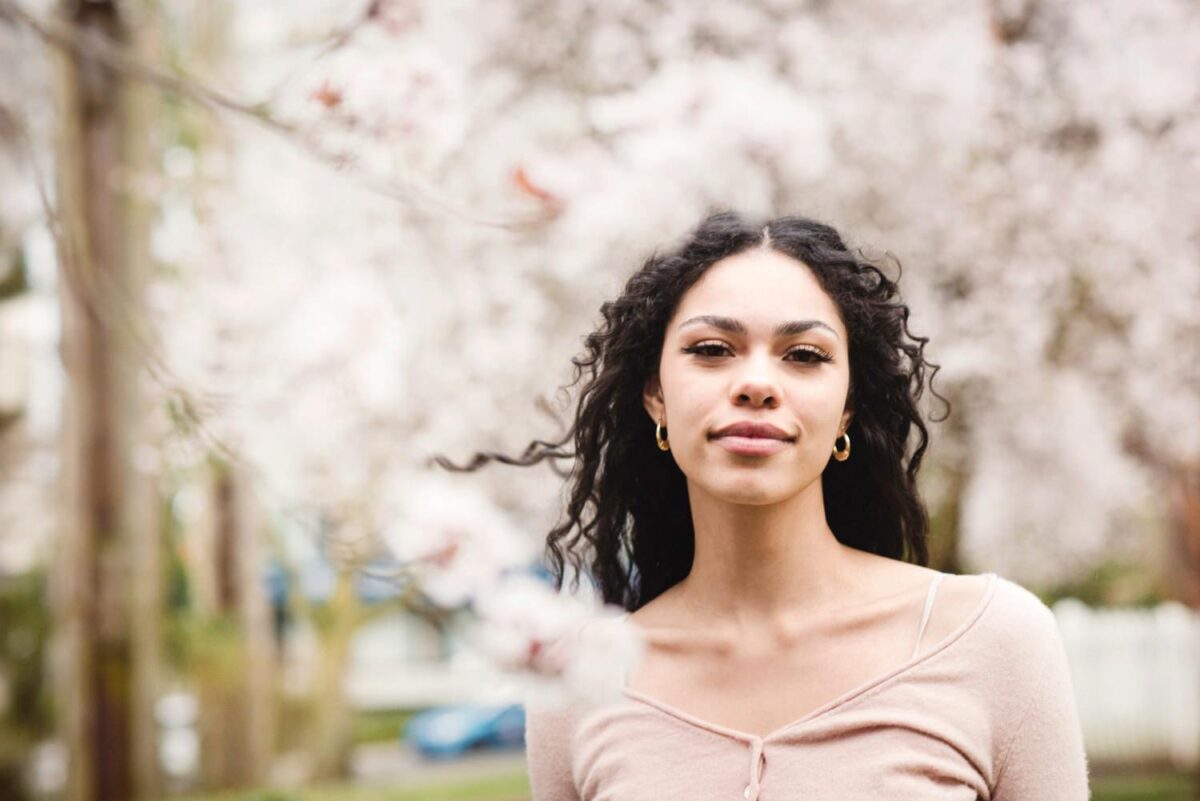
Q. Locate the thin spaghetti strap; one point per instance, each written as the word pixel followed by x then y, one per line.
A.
pixel 628 668
pixel 933 585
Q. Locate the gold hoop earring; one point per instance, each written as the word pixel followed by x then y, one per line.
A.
pixel 842 454
pixel 660 437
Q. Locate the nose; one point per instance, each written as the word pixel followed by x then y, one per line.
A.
pixel 756 385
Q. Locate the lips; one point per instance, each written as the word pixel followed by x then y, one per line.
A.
pixel 748 430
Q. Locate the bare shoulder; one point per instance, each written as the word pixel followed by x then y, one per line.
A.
pixel 1024 610
pixel 958 598
pixel 662 611
pixel 955 591
pixel 650 614
pixel 661 622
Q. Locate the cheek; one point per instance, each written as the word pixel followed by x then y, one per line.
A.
pixel 820 408
pixel 690 410
pixel 681 390
pixel 687 411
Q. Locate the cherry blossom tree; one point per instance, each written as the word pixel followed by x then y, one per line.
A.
pixel 414 209
pixel 1039 198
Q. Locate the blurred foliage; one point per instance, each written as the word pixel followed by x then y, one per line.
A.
pixel 1115 582
pixel 178 594
pixel 197 644
pixel 210 646
pixel 15 279
pixel 25 713
pixel 293 722
pixel 379 726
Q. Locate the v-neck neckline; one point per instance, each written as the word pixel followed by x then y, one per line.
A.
pixel 835 702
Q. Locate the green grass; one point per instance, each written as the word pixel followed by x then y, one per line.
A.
pixel 1144 787
pixel 515 787
pixel 510 787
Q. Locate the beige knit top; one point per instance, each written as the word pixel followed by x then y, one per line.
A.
pixel 986 713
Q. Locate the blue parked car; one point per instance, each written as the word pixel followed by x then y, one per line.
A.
pixel 450 731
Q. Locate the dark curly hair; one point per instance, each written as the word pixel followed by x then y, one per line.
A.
pixel 628 523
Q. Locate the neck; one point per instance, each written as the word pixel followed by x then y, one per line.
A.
pixel 757 567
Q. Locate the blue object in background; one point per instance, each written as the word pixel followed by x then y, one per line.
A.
pixel 449 731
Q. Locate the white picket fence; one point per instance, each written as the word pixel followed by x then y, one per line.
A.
pixel 1136 674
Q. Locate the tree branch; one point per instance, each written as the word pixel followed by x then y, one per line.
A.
pixel 68 37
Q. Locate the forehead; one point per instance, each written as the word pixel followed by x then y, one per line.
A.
pixel 761 288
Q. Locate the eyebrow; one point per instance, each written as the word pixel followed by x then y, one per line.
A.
pixel 788 329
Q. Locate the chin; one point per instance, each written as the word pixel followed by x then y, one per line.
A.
pixel 751 491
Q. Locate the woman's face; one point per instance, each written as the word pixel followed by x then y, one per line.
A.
pixel 756 340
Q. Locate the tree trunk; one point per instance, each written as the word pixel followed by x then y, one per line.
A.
pixel 1184 566
pixel 236 675
pixel 330 733
pixel 92 649
pixel 143 514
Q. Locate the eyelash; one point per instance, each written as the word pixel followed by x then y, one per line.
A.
pixel 817 354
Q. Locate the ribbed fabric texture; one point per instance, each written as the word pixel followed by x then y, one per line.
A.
pixel 987 713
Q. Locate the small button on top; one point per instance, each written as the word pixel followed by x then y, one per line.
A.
pixel 746 792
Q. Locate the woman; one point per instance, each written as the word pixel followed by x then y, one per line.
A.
pixel 744 485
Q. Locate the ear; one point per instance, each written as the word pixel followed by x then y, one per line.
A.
pixel 652 399
pixel 847 416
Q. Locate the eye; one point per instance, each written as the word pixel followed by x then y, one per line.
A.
pixel 708 349
pixel 809 354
